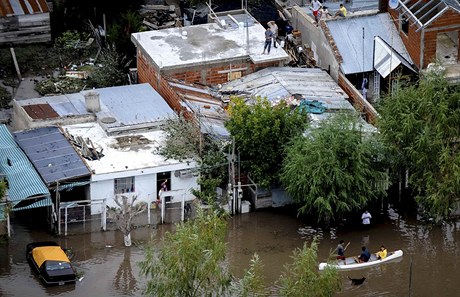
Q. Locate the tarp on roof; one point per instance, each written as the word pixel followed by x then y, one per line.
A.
pixel 387 59
pixel 25 188
pixel 52 155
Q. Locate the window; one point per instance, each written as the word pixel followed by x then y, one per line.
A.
pixel 233 75
pixel 405 26
pixel 124 185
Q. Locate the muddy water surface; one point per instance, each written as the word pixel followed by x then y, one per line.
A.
pixel 109 269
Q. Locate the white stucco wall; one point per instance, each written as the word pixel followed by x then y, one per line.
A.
pixel 145 184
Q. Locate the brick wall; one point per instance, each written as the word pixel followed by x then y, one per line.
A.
pixel 147 74
pixel 412 40
pixel 449 21
pixel 357 100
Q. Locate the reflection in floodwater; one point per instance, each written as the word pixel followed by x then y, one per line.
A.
pixel 110 269
pixel 125 281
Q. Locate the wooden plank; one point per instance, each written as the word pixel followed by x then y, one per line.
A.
pixel 27 39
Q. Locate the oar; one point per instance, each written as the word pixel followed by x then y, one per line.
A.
pixel 346 246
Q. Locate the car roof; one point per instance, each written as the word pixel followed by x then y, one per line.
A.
pixel 47 253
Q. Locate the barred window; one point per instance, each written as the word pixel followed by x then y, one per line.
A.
pixel 124 185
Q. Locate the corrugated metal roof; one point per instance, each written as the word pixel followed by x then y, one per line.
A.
pixel 276 83
pixel 130 106
pixel 354 49
pixel 21 7
pixel 24 183
pixel 205 105
pixel 133 105
pixel 51 154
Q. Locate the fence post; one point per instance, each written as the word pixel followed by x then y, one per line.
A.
pixel 104 216
pixel 182 208
pixel 65 226
pixel 148 209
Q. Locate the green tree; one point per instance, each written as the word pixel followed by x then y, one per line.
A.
pixel 120 30
pixel 302 278
pixel 184 140
pixel 191 261
pixel 252 284
pixel 111 71
pixel 2 190
pixel 335 169
pixel 261 131
pixel 420 124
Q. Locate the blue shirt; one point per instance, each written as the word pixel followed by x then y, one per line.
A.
pixel 268 35
pixel 365 256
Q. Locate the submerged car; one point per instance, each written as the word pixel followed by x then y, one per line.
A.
pixel 51 263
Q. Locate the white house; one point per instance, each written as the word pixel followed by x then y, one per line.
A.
pixel 117 132
pixel 128 164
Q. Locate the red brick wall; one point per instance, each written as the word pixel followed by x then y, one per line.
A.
pixel 146 73
pixel 449 19
pixel 356 99
pixel 412 40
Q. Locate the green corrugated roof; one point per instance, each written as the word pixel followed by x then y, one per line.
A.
pixel 24 183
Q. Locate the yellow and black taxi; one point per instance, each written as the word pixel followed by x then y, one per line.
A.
pixel 51 263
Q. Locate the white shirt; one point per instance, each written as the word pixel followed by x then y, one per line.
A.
pixel 366 217
pixel 316 5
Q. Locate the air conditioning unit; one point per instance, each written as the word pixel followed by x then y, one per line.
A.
pixel 186 173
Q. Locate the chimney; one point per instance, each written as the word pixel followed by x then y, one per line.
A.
pixel 383 6
pixel 92 101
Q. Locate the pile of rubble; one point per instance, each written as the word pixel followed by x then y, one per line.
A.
pixel 60 85
pixel 160 16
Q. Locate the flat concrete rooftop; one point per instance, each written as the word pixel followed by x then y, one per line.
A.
pixel 207 43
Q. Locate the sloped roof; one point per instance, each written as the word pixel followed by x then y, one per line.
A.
pixel 356 50
pixel 52 155
pixel 276 83
pixel 127 107
pixel 21 7
pixel 25 187
pixel 206 104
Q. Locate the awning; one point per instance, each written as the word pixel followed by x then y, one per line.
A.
pixel 386 59
pixel 25 188
pixel 69 186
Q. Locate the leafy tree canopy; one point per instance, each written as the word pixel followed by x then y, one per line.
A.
pixel 334 169
pixel 191 261
pixel 111 72
pixel 261 131
pixel 302 278
pixel 184 140
pixel 421 126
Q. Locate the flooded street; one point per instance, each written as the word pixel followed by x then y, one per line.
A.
pixel 109 269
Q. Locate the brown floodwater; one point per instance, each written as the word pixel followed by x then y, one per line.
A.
pixel 109 269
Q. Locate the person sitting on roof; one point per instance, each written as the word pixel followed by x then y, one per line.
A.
pixel 342 12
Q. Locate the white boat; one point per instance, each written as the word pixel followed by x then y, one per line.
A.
pixel 350 263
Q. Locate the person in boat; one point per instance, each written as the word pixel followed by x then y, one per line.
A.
pixel 364 257
pixel 382 254
pixel 341 250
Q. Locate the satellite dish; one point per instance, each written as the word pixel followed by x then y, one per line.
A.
pixel 393 4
